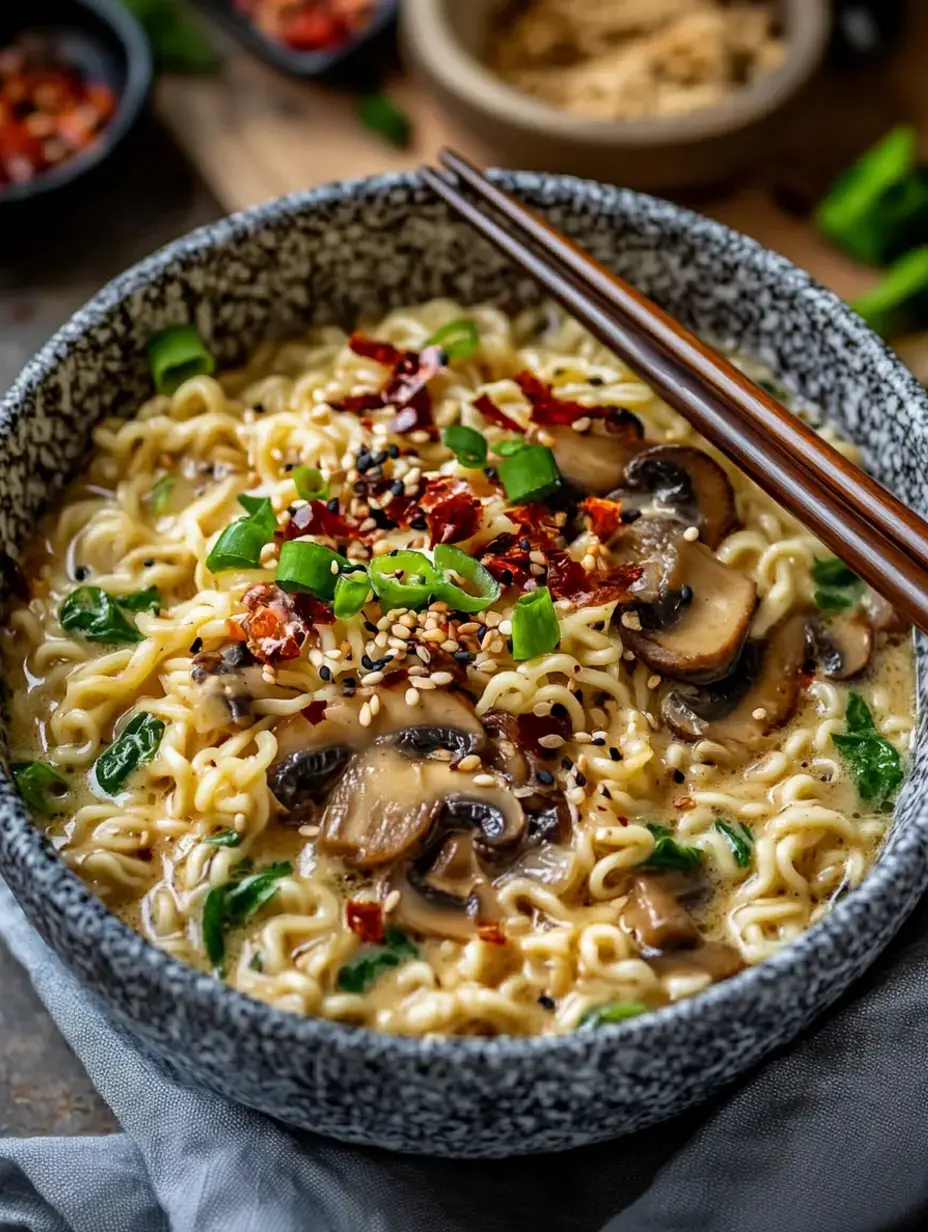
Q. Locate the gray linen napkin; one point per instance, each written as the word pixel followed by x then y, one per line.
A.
pixel 829 1136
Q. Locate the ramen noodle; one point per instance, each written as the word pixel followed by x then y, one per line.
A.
pixel 609 727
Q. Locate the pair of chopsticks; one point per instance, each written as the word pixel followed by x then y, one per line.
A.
pixel 882 540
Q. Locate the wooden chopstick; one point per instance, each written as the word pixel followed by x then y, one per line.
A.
pixel 874 502
pixel 877 557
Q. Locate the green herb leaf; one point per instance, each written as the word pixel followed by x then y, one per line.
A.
pixel 458 339
pixel 379 113
pixel 668 853
pixel 233 904
pixel 372 960
pixel 36 782
pixel 224 838
pixel 535 626
pixel 178 43
pixel 876 765
pixel 467 444
pixel 612 1011
pixel 838 587
pixel 530 474
pixel 97 616
pixel 240 544
pixel 159 498
pixel 136 746
pixel 740 839
pixel 310 484
pixel 148 600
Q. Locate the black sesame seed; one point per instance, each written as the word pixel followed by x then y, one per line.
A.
pixel 196 645
pixel 418 524
pixel 630 515
pixel 546 777
pixel 615 754
pixel 525 545
pixel 606 792
pixel 360 488
pixel 482 632
pixel 679 776
pixel 596 381
pixel 600 741
pixel 581 779
pixel 566 763
pixel 393 451
pixel 325 672
pixel 364 462
pixel 462 656
pixel 379 457
pixel 506 577
pixel 332 505
pixel 367 663
pixel 371 627
pixel 546 1002
pixel 288 467
pixel 350 683
pixel 559 710
pixel 81 572
pixel 579 695
pixel 148 564
pixel 258 408
pixel 686 593
pixel 397 488
pixel 490 472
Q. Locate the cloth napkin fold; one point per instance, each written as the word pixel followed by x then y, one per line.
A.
pixel 828 1136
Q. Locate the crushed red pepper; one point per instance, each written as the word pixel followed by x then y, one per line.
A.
pixel 450 509
pixel 407 388
pixel 605 516
pixel 308 25
pixel 278 624
pixel 365 919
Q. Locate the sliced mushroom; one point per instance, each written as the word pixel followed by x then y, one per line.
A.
pixel 842 647
pixel 445 893
pixel 657 918
pixel 504 752
pixel 304 779
pixel 685 483
pixel 717 959
pixel 883 616
pixel 594 462
pixel 694 611
pixel 228 681
pixel 759 695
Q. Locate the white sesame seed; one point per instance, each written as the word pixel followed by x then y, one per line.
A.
pixel 628 656
pixel 505 627
pixel 412 697
pixel 582 424
pixel 691 534
pixel 399 630
pixel 308 831
pixel 364 718
pixel 367 524
pixel 537 557
pixel 375 704
pixel 381 640
pixel 391 902
pixel 759 714
pixel 419 437
pixel 396 644
pixel 432 635
pixel 575 795
pixel 492 620
pixel 600 735
pixel 384 623
pixel 631 620
pixel 425 683
pixel 538 570
pixel 542 709
pixel 316 657
pixel 545 438
pixel 589 562
pixel 469 626
pixel 423 654
pixel 268 675
pixel 450 645
pixel 239 821
pixel 653 681
pixel 484 780
pixel 371 678
pixel 487 668
pixel 408 620
pixel 416 669
pixel 470 762
pixel 581 737
pixel 440 678
pixel 552 741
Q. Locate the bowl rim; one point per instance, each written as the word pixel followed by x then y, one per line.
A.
pixel 139 76
pixel 429 38
pixel 234 1013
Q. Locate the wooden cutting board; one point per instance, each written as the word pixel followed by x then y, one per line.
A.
pixel 254 133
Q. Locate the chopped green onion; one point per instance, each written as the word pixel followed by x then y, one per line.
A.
pixel 530 474
pixel 360 972
pixel 351 591
pixel 740 839
pixel 233 904
pixel 309 568
pixel 485 588
pixel 900 302
pixel 175 355
pixel 458 339
pixel 310 484
pixel 509 446
pixel 240 544
pixel 878 209
pixel 224 838
pixel 668 854
pixel 137 745
pixel 380 114
pixel 159 498
pixel 97 616
pixel 36 781
pixel 535 628
pixel 614 1011
pixel 403 579
pixel 467 444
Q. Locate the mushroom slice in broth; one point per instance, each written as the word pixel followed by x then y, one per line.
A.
pixel 685 483
pixel 844 646
pixel 594 462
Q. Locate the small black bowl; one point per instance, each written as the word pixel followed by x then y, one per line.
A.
pixel 105 42
pixel 301 63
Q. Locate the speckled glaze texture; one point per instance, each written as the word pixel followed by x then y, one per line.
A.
pixel 358 249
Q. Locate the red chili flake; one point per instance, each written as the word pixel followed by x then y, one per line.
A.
pixel 567 579
pixel 235 632
pixel 536 522
pixel 451 510
pixel 623 821
pixel 533 726
pixel 369 348
pixel 685 802
pixel 365 919
pixel 316 519
pixel 605 516
pixel 489 410
pixel 491 933
pixel 412 373
pixel 275 629
pixel 314 712
pixel 312 611
pixel 547 408
pixel 508 562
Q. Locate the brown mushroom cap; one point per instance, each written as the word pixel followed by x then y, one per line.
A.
pixel 445 893
pixel 656 917
pixel 768 678
pixel 844 646
pixel 594 462
pixel 684 482
pixel 694 610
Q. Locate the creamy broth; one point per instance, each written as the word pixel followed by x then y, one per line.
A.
pixel 387 818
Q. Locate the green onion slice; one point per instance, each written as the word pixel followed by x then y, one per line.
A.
pixel 467 444
pixel 899 303
pixel 351 591
pixel 137 745
pixel 530 474
pixel 484 586
pixel 614 1011
pixel 403 579
pixel 239 546
pixel 535 628
pixel 36 782
pixel 458 339
pixel 379 113
pixel 306 568
pixel 511 445
pixel 159 498
pixel 224 838
pixel 310 484
pixel 97 616
pixel 175 355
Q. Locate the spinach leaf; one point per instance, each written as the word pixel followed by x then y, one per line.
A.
pixel 233 904
pixel 96 615
pixel 874 762
pixel 148 600
pixel 159 498
pixel 224 838
pixel 36 781
pixel 137 745
pixel 668 853
pixel 372 960
pixel 837 587
pixel 612 1011
pixel 740 838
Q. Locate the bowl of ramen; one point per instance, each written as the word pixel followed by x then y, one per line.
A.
pixel 414 730
pixel 653 94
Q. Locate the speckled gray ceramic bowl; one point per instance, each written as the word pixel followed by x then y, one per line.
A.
pixel 362 248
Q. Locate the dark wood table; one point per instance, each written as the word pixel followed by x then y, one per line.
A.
pixel 44 276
